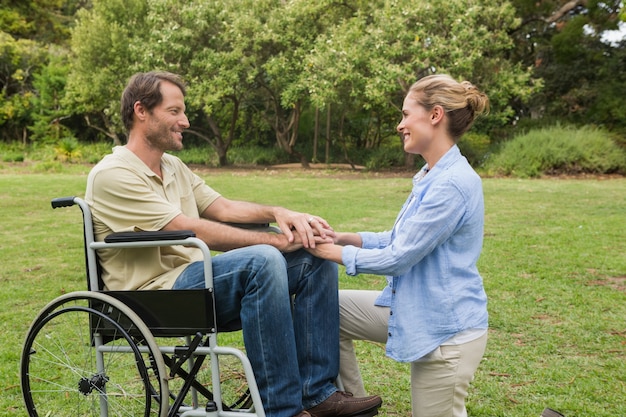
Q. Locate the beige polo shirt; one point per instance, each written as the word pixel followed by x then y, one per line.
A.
pixel 125 195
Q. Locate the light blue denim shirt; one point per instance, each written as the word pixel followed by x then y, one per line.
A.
pixel 433 287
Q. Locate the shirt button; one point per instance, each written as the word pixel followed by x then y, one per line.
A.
pixel 389 334
pixel 390 313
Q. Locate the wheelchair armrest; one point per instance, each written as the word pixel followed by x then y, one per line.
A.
pixel 149 236
pixel 259 227
pixel 160 235
pixel 251 226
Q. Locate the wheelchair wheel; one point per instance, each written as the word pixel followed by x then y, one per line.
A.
pixel 88 354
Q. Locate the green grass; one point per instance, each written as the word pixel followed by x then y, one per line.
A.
pixel 554 266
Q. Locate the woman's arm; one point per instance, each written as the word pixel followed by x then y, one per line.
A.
pixel 332 252
pixel 343 239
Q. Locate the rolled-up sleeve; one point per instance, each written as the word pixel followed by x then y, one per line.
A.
pixel 369 240
pixel 348 257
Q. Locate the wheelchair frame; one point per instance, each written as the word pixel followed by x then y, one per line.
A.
pixel 83 345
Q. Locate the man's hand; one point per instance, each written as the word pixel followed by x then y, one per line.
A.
pixel 309 229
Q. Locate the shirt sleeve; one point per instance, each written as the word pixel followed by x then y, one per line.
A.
pixel 422 227
pixel 203 195
pixel 370 240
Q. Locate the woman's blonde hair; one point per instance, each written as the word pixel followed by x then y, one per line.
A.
pixel 462 101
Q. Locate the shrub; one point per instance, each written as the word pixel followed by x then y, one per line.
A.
pixel 93 153
pixel 201 155
pixel 68 150
pixel 475 147
pixel 385 157
pixel 12 157
pixel 12 152
pixel 558 150
pixel 256 155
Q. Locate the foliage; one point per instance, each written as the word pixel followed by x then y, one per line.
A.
pixel 258 70
pixel 245 156
pixel 49 88
pixel 475 147
pixel 68 150
pixel 276 60
pixel 43 21
pixel 106 49
pixel 19 58
pixel 559 150
pixel 31 34
pixel 583 74
pixel 385 157
pixel 259 156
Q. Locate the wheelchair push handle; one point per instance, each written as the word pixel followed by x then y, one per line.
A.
pixel 62 202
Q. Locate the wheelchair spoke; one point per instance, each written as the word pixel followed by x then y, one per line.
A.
pixel 67 372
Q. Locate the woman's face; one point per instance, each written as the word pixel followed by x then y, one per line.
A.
pixel 416 126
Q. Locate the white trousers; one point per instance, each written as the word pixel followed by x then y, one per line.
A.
pixel 439 380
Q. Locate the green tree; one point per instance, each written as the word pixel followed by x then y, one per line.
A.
pixel 274 61
pixel 43 21
pixel 19 60
pixel 31 32
pixel 210 46
pixel 370 60
pixel 48 112
pixel 583 75
pixel 106 47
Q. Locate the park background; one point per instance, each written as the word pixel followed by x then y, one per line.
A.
pixel 319 85
pixel 277 81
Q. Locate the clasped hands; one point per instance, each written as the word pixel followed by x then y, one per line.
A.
pixel 303 230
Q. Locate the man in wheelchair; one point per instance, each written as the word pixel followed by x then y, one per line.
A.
pixel 284 299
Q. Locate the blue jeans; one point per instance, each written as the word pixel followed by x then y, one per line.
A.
pixel 253 286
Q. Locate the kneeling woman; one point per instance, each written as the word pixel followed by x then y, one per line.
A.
pixel 433 311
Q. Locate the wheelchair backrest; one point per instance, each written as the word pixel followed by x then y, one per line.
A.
pixel 167 313
pixel 92 266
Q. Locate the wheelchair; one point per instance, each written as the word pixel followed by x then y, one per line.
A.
pixel 95 352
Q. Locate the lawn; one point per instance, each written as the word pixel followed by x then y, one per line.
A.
pixel 553 263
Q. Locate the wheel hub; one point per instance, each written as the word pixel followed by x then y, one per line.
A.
pixel 87 385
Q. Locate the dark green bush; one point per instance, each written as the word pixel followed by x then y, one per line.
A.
pixel 558 150
pixel 475 147
pixel 201 155
pixel 12 157
pixel 256 155
pixel 252 155
pixel 385 157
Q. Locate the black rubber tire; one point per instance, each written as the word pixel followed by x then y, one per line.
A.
pixel 66 371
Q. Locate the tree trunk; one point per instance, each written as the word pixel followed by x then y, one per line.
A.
pixel 342 141
pixel 327 149
pixel 316 131
pixel 287 132
pixel 218 143
pixel 109 131
pixel 409 160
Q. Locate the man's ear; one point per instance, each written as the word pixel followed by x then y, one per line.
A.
pixel 140 111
